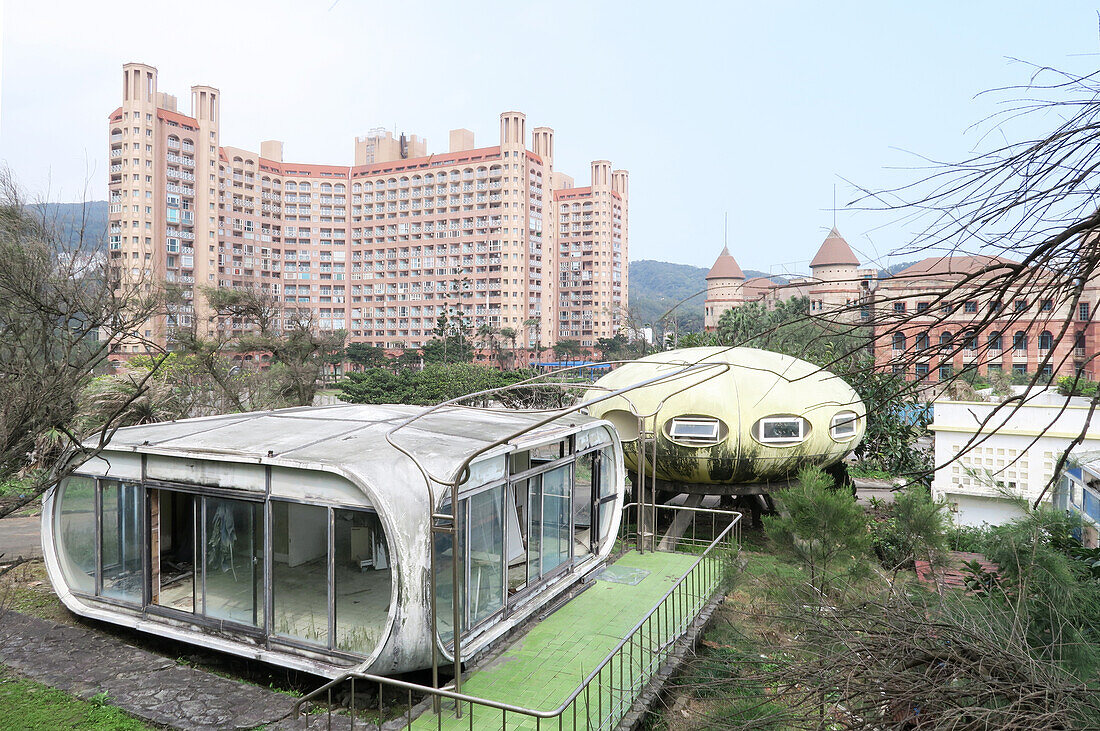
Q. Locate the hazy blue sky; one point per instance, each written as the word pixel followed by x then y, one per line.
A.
pixel 755 108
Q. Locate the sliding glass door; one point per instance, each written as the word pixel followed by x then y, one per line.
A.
pixel 233 560
pixel 555 518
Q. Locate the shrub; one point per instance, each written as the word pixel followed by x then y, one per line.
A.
pixel 824 528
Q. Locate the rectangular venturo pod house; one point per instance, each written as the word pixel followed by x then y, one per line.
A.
pixel 304 537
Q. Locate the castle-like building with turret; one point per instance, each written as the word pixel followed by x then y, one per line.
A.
pixel 918 333
pixel 836 282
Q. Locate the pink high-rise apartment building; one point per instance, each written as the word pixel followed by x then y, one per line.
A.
pixel 494 235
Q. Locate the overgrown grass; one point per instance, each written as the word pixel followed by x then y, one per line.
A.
pixel 30 706
pixel 863 472
pixel 26 589
pixel 704 692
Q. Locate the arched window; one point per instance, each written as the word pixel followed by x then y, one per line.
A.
pixel 899 341
pixel 304 187
pixel 1046 340
pixel 1019 340
pixel 326 187
pixel 339 188
pixel 995 342
pixel 971 340
pixel 922 341
pixel 945 338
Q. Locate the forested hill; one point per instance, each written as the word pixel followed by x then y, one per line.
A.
pixel 655 286
pixel 67 219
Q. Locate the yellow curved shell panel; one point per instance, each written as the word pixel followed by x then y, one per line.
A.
pixel 774 414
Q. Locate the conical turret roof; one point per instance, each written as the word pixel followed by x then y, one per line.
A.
pixel 834 251
pixel 725 267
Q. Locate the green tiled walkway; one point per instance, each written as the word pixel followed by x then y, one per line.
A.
pixel 546 665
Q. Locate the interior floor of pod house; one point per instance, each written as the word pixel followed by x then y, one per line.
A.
pixel 304 537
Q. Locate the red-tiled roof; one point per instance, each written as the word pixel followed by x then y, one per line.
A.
pixel 934 265
pixel 115 115
pixel 178 118
pixel 759 283
pixel 725 267
pixel 953 575
pixel 567 193
pixel 834 251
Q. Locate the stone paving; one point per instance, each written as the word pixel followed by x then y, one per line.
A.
pixel 157 690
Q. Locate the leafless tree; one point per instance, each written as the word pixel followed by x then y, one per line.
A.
pixel 62 307
pixel 285 347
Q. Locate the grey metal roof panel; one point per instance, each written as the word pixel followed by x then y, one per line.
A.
pixel 351 437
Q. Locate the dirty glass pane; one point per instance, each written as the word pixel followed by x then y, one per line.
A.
pixel 583 473
pixel 534 532
pixel 486 540
pixel 516 519
pixel 76 533
pixel 234 560
pixel 363 584
pixel 444 574
pixel 607 480
pixel 299 571
pixel 121 540
pixel 556 535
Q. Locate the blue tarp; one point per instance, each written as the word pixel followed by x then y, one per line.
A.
pixel 573 364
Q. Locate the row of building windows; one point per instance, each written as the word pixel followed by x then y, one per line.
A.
pixel 971 307
pixel 995 340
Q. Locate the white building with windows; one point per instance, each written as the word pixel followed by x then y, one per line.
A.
pixel 990 456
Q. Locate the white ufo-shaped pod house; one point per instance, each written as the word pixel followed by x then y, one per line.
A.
pixel 750 416
pixel 303 537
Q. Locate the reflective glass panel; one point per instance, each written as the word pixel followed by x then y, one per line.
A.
pixel 583 476
pixel 444 576
pixel 76 533
pixel 234 560
pixel 556 534
pixel 121 540
pixel 486 541
pixel 606 490
pixel 534 530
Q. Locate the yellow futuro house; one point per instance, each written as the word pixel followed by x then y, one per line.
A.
pixel 742 415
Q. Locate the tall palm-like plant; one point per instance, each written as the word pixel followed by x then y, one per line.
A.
pixel 130 399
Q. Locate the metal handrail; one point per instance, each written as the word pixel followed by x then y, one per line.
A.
pixel 459 698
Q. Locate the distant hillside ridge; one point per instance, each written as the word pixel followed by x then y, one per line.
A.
pixel 655 286
pixel 68 219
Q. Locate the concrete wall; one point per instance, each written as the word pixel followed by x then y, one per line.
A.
pixel 1014 453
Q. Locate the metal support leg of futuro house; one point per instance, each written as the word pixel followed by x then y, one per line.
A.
pixel 639 497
